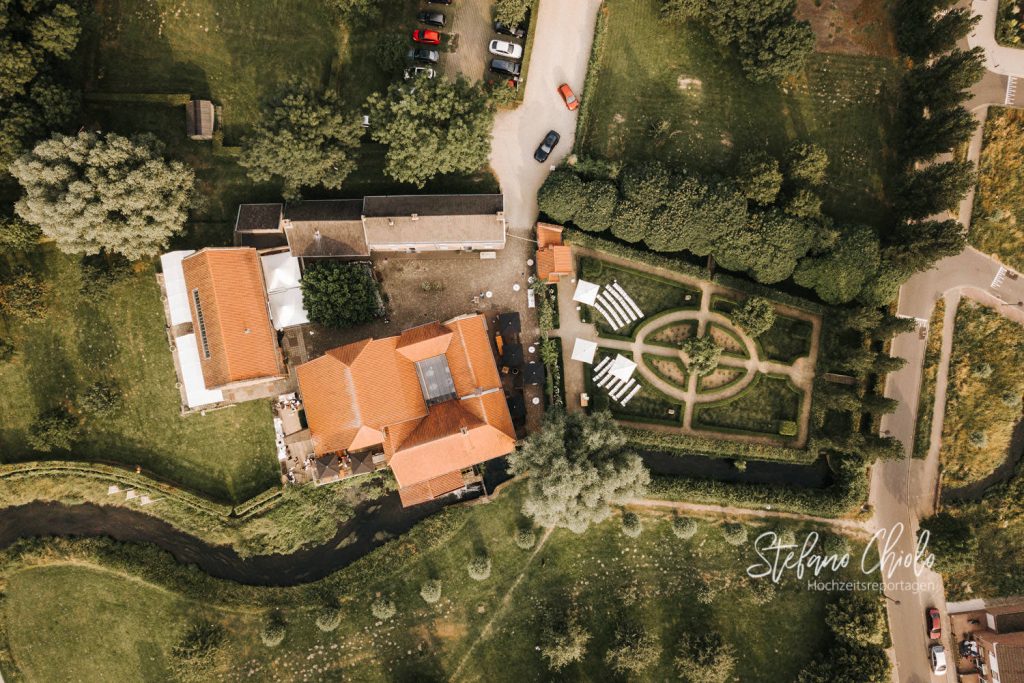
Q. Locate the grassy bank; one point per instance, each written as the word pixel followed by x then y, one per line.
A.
pixel 997 224
pixel 929 372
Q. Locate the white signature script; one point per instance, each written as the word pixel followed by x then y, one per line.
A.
pixel 776 557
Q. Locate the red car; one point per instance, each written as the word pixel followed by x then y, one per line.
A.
pixel 934 623
pixel 567 95
pixel 426 36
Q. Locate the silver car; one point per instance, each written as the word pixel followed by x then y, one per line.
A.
pixel 503 48
pixel 938 659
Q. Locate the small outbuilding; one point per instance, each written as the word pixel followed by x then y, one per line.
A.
pixel 199 119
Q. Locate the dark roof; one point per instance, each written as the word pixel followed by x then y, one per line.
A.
pixel 433 205
pixel 327 228
pixel 512 355
pixel 199 116
pixel 1008 618
pixel 534 373
pixel 325 210
pixel 328 468
pixel 258 217
pixel 516 407
pixel 362 462
pixel 260 240
pixel 509 322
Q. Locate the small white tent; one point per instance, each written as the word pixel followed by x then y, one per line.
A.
pixel 584 350
pixel 622 368
pixel 586 292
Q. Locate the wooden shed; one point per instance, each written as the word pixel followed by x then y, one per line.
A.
pixel 199 115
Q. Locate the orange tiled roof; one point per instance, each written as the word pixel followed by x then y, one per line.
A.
pixel 240 340
pixel 553 262
pixel 548 235
pixel 368 393
pixel 428 490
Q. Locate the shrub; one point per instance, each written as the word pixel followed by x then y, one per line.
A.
pixel 525 538
pixel 631 524
pixel 635 649
pixel 734 534
pixel 480 567
pixel 565 645
pixel 53 430
pixel 100 398
pixel 705 658
pixel 383 609
pixel 430 591
pixel 6 350
pixel 762 591
pixel 340 295
pixel 788 428
pixel 328 618
pixel 511 12
pixel 755 316
pixel 702 354
pixel 99 272
pixel 17 234
pixel 390 52
pixel 273 631
pixel 194 655
pixel 23 296
pixel 685 527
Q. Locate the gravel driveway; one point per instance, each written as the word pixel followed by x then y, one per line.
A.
pixel 561 50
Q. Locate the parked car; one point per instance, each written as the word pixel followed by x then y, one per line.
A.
pixel 505 67
pixel 934 622
pixel 424 54
pixel 419 71
pixel 431 18
pixel 937 654
pixel 426 36
pixel 503 48
pixel 440 2
pixel 514 31
pixel 546 147
pixel 568 97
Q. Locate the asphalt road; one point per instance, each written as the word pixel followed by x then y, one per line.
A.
pixel 561 50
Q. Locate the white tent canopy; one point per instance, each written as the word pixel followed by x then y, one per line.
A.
pixel 284 293
pixel 281 271
pixel 286 308
pixel 622 368
pixel 174 285
pixel 196 393
pixel 586 292
pixel 584 350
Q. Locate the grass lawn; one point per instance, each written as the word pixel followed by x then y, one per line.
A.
pixel 983 404
pixel 116 626
pixel 666 91
pixel 997 224
pixel 227 454
pixel 787 340
pixel 759 408
pixel 929 375
pixel 651 293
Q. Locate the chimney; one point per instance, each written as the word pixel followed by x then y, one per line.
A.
pixel 415 216
pixel 316 235
pixel 391 222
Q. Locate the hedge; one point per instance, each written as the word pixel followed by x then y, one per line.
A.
pixel 689 444
pixel 593 69
pixel 173 99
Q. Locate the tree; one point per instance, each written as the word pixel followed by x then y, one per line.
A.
pixel 936 131
pixel 702 354
pixel 705 658
pixel 383 609
pixel 807 165
pixel 685 527
pixel 952 539
pixel 857 618
pixel 100 398
pixel 525 538
pixel 274 630
pixel 561 196
pixel 849 664
pixel 928 27
pixel 24 295
pixel 935 188
pixel 635 649
pixel 945 82
pixel 328 618
pixel 340 295
pixel 435 127
pixel 645 189
pixel 55 429
pixel 921 243
pixel 631 524
pixel 94 192
pixel 599 200
pixel 579 467
pixel 196 655
pixel 755 316
pixel 697 216
pixel 390 51
pixel 430 591
pixel 304 138
pixel 804 204
pixel 511 12
pixel 759 178
pixel 17 235
pixel 479 566
pixel 878 405
pixel 768 246
pixel 841 274
pixel 734 533
pixel 565 643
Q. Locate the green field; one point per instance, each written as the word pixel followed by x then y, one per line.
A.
pixel 117 619
pixel 666 91
pixel 758 408
pixel 227 454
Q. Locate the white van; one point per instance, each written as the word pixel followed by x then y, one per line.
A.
pixel 938 657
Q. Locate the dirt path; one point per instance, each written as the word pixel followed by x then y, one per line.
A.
pixel 847 525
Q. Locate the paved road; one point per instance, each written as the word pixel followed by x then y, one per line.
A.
pixel 1001 60
pixel 561 50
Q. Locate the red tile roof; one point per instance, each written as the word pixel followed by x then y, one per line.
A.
pixel 548 235
pixel 553 262
pixel 239 337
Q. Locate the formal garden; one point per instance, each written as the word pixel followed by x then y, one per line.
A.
pixel 472 593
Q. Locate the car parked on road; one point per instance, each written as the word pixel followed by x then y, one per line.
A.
pixel 503 48
pixel 505 67
pixel 934 622
pixel 514 31
pixel 431 18
pixel 547 146
pixel 419 72
pixel 568 96
pixel 937 654
pixel 440 2
pixel 424 54
pixel 426 36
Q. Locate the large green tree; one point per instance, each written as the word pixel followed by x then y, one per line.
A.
pixel 432 127
pixel 947 80
pixel 839 275
pixel 561 196
pixel 705 658
pixel 579 467
pixel 857 617
pixel 759 178
pixel 92 192
pixel 931 27
pixel 511 12
pixel 306 139
pixel 929 132
pixel 768 246
pixel 935 188
pixel 340 295
pixel 702 354
pixel 755 316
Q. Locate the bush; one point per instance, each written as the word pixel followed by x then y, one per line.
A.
pixel 480 567
pixel 430 591
pixel 328 618
pixel 17 234
pixel 99 272
pixel 685 527
pixel 100 398
pixel 631 524
pixel 565 645
pixel 635 649
pixel 390 52
pixel 788 428
pixel 53 430
pixel 194 656
pixel 340 295
pixel 23 296
pixel 6 350
pixel 755 316
pixel 734 533
pixel 273 631
pixel 525 538
pixel 383 609
pixel 511 12
pixel 702 354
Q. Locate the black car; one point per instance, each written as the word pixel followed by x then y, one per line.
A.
pixel 546 147
pixel 440 2
pixel 517 31
pixel 424 54
pixel 431 18
pixel 506 68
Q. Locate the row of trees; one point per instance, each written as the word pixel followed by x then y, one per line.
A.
pixel 856 622
pixel 768 40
